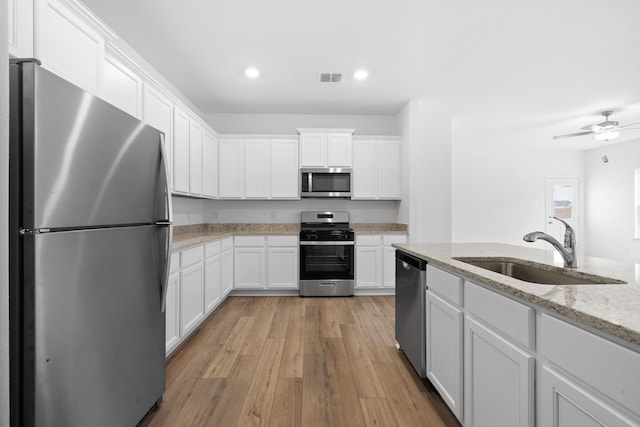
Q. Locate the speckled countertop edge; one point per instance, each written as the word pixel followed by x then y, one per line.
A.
pixel 612 308
pixel 185 236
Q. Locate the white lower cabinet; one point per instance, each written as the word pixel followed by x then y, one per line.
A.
pixel 368 261
pixel 226 266
pixel 282 262
pixel 567 404
pixel 212 277
pixel 249 255
pixel 376 260
pixel 191 289
pixel 444 350
pixel 499 380
pixel 172 305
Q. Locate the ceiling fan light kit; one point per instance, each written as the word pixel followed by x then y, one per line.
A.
pixel 605 131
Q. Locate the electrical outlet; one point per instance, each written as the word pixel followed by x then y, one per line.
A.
pixel 273 215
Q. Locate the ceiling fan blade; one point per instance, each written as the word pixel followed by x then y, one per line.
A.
pixel 630 124
pixel 573 134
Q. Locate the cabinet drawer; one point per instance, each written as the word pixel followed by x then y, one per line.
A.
pixel 444 284
pixel 175 263
pixel 291 241
pixel 248 241
pixel 226 243
pixel 368 240
pixel 212 249
pixel 604 365
pixel 510 317
pixel 192 256
pixel 390 239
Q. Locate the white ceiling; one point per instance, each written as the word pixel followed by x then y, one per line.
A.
pixel 519 69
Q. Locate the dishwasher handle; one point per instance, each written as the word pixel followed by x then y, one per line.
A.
pixel 409 261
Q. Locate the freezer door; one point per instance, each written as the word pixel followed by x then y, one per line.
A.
pixel 99 355
pixel 85 162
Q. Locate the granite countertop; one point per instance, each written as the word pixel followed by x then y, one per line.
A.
pixel 185 236
pixel 612 308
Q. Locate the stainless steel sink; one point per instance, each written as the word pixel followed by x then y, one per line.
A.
pixel 537 273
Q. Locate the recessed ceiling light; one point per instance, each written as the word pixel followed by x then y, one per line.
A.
pixel 361 74
pixel 252 73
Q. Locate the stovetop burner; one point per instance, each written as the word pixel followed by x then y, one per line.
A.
pixel 325 226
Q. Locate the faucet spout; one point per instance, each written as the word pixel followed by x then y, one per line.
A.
pixel 567 250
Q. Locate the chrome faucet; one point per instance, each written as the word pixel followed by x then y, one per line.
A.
pixel 568 250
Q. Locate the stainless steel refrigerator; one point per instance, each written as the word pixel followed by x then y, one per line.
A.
pixel 90 241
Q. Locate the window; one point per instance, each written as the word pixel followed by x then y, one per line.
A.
pixel 563 201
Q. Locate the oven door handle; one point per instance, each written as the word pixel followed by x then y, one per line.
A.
pixel 331 243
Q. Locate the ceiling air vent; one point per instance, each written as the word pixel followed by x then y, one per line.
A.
pixel 331 77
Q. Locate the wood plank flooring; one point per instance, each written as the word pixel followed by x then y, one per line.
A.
pixel 290 361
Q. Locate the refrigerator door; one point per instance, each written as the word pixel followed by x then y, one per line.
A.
pixel 86 163
pixel 99 355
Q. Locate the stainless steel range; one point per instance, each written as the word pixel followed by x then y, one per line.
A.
pixel 327 254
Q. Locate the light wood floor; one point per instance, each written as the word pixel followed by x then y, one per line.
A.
pixel 290 361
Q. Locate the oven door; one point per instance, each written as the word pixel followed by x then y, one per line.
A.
pixel 327 260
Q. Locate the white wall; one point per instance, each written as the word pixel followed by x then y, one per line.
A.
pixel 426 174
pixel 286 124
pixel 499 195
pixel 610 201
pixel 4 210
pixel 194 211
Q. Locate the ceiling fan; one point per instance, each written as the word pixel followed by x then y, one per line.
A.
pixel 609 129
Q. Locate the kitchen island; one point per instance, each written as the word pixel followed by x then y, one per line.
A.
pixel 502 351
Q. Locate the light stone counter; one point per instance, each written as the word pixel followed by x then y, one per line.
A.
pixel 613 309
pixel 185 236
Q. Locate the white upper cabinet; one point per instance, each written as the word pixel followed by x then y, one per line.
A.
pixel 195 157
pixel 325 147
pixel 231 168
pixel 284 169
pixel 180 150
pixel 20 25
pixel 256 163
pixel 209 165
pixel 258 168
pixel 157 111
pixel 376 169
pixel 122 87
pixel 70 47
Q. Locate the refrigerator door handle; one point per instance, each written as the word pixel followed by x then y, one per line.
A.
pixel 168 224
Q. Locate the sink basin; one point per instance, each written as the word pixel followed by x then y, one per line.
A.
pixel 532 272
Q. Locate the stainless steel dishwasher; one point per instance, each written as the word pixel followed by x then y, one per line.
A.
pixel 411 285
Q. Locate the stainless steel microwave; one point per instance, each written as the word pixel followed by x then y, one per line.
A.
pixel 325 182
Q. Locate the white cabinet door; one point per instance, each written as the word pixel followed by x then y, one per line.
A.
pixel 20 25
pixel 209 165
pixel 283 268
pixel 69 47
pixel 364 170
pixel 285 173
pixel 388 169
pixel 191 297
pixel 339 149
pixel 212 288
pixel 180 150
pixel 566 404
pixel 498 381
pixel 313 150
pixel 368 266
pixel 195 157
pixel 226 276
pixel 122 87
pixel 157 111
pixel 231 168
pixel 389 255
pixel 256 173
pixel 445 351
pixel 172 319
pixel 249 268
